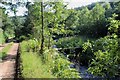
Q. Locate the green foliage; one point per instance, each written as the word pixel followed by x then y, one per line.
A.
pixel 102 43
pixel 69 42
pixel 32 66
pixel 92 22
pixel 87 53
pixel 103 54
pixel 107 58
pixel 49 62
pixel 2 40
pixel 7 25
pixel 54 15
pixel 62 69
pixel 71 22
pixel 59 65
pixel 21 38
pixel 4 51
pixel 30 45
pixel 86 45
pixel 114 25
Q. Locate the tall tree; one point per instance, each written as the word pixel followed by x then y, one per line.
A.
pixel 98 15
pixel 42 32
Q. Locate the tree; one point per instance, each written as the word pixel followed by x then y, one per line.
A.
pixel 42 31
pixel 106 52
pixel 99 21
pixel 71 22
pixel 54 16
pixel 114 25
pixel 84 21
pixel 7 25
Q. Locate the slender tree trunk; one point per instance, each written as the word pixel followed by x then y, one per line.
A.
pixel 49 40
pixel 42 39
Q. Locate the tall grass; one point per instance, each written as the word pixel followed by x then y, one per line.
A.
pixel 48 65
pixel 33 66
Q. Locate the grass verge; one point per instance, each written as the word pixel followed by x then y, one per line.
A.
pixel 33 67
pixel 4 51
pixel 48 65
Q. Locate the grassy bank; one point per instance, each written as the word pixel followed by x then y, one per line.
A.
pixel 49 65
pixel 33 67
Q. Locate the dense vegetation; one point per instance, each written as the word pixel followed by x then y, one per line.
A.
pixel 49 65
pixel 90 35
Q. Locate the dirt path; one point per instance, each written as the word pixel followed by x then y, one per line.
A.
pixel 7 67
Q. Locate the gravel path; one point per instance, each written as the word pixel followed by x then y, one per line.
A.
pixel 7 67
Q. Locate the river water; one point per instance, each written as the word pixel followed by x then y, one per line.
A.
pixel 82 70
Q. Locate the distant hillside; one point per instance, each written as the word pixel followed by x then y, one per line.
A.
pixel 112 4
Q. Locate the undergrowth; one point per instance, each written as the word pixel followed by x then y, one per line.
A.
pixel 48 65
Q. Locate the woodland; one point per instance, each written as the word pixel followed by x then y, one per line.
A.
pixel 57 42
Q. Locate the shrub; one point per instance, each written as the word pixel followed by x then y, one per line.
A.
pixel 22 38
pixel 69 42
pixel 30 45
pixel 107 57
pixel 59 65
pixel 87 53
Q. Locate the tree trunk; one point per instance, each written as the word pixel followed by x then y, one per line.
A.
pixel 42 39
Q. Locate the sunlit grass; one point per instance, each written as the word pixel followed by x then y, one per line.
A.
pixel 33 66
pixel 47 65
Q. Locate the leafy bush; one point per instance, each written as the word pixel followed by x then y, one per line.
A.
pixel 59 65
pixel 114 25
pixel 30 45
pixel 71 41
pixel 107 57
pixel 106 60
pixel 62 69
pixel 87 53
pixel 76 45
pixel 106 43
pixel 22 38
